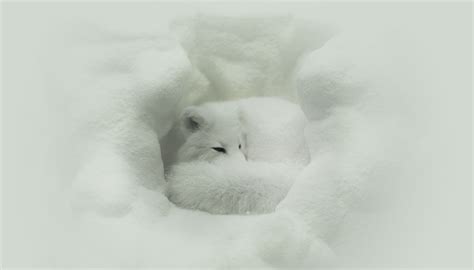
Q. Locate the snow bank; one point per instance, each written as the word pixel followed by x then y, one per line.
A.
pixel 114 90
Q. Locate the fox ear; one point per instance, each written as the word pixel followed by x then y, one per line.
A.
pixel 192 120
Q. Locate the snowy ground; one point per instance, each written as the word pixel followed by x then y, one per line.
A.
pixel 90 89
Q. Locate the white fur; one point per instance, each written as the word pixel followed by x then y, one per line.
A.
pixel 268 129
pixel 250 179
pixel 214 125
pixel 230 187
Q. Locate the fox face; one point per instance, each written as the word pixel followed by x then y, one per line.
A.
pixel 212 132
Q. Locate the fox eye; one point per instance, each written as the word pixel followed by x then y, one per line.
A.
pixel 219 149
pixel 240 146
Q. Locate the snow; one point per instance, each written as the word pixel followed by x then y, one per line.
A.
pixel 89 97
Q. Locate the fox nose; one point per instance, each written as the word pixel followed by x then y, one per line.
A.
pixel 239 156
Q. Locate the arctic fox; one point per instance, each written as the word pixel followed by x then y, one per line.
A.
pixel 255 129
pixel 212 131
pixel 238 156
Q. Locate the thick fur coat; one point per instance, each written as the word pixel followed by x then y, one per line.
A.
pixel 239 157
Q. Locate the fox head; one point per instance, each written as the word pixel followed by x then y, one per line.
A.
pixel 212 131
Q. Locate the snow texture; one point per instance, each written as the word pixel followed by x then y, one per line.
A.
pixel 121 94
pixel 218 59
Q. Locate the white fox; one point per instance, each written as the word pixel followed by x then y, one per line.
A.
pixel 212 131
pixel 238 156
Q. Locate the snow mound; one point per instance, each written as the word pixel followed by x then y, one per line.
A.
pixel 129 95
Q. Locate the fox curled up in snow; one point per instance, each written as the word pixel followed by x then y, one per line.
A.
pixel 239 157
